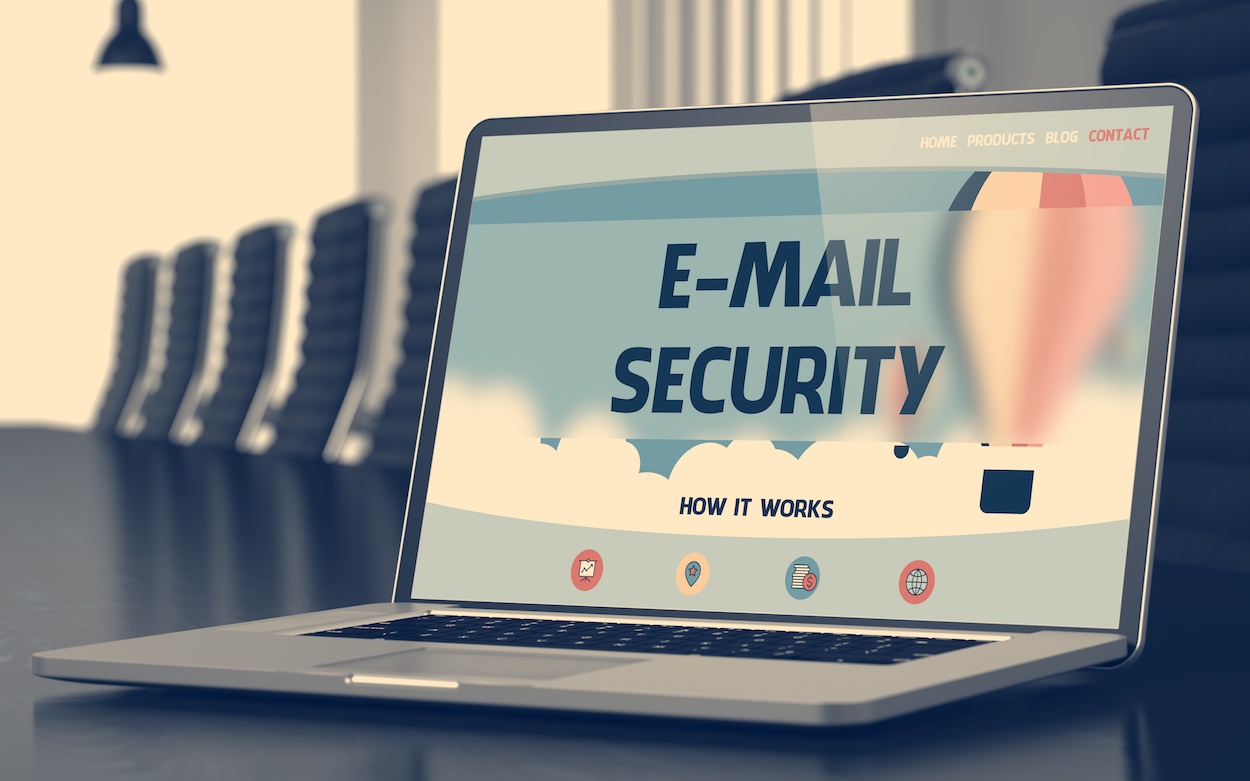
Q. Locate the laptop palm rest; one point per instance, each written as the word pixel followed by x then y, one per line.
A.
pixel 424 663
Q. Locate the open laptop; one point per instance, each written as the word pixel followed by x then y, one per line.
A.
pixel 812 413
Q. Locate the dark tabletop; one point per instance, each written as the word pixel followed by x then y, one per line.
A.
pixel 101 540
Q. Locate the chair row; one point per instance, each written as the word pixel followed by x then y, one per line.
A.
pixel 158 387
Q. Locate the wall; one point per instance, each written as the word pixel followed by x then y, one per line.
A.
pixel 704 52
pixel 503 58
pixel 252 118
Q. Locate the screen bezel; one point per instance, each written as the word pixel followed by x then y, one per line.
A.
pixel 1162 334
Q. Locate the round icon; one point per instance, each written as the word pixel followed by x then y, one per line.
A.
pixel 802 577
pixel 916 583
pixel 692 574
pixel 587 570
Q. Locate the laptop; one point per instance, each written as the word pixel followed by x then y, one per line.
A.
pixel 809 413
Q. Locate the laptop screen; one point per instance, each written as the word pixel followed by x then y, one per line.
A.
pixel 798 364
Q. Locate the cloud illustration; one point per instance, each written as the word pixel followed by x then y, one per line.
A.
pixel 490 458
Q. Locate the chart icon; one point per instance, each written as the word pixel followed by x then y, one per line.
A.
pixel 587 570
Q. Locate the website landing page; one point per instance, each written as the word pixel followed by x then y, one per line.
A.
pixel 877 369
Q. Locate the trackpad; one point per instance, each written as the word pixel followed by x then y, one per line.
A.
pixel 476 664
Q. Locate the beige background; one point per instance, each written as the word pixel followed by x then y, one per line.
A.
pixel 252 118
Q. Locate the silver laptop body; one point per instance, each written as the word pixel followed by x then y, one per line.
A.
pixel 890 367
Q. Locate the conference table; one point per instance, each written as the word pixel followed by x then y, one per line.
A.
pixel 102 539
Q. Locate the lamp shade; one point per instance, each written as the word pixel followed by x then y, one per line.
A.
pixel 128 46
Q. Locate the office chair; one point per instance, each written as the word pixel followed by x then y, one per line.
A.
pixel 395 432
pixel 1206 472
pixel 336 354
pixel 134 338
pixel 233 415
pixel 168 406
pixel 951 72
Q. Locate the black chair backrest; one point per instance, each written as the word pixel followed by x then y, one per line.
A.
pixel 190 310
pixel 936 74
pixel 395 435
pixel 234 412
pixel 335 353
pixel 1202 45
pixel 133 340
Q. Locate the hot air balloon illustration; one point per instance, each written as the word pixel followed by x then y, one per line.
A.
pixel 1042 268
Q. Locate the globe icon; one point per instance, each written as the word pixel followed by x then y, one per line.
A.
pixel 917 582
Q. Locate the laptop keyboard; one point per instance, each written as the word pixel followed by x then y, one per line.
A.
pixel 654 638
